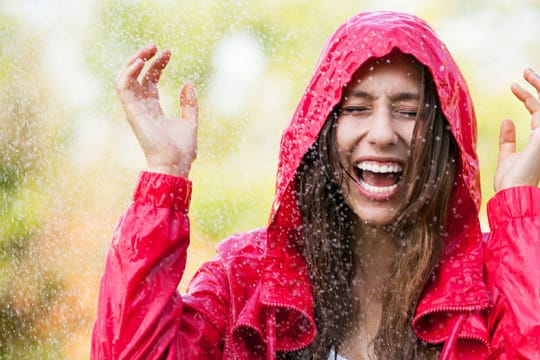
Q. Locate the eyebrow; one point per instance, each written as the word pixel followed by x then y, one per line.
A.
pixel 395 97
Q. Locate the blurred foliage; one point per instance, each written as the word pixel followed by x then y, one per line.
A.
pixel 67 167
pixel 29 143
pixel 221 203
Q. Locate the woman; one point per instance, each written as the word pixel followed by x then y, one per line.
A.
pixel 373 248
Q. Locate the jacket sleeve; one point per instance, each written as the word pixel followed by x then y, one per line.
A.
pixel 512 260
pixel 140 313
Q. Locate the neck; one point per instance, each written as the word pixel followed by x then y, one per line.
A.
pixel 373 253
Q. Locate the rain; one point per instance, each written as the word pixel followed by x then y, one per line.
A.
pixel 69 161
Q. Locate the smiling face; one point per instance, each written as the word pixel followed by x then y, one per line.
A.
pixel 374 130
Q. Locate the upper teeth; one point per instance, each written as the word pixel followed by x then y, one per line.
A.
pixel 382 169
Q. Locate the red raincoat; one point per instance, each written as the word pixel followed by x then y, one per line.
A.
pixel 255 297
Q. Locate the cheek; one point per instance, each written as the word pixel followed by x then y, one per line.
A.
pixel 342 145
pixel 344 137
pixel 407 132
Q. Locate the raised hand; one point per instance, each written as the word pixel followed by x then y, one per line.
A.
pixel 170 145
pixel 520 168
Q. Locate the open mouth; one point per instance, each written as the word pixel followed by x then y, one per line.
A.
pixel 378 178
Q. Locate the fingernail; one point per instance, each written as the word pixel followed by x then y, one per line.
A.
pixel 532 71
pixel 191 90
pixel 189 94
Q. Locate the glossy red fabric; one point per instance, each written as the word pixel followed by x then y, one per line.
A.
pixel 255 298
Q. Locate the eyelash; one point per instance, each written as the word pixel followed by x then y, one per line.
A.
pixel 353 109
pixel 356 110
pixel 409 113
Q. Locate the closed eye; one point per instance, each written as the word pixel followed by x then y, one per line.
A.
pixel 405 111
pixel 408 113
pixel 354 110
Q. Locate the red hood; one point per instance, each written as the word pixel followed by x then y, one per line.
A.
pixel 459 285
pixel 375 34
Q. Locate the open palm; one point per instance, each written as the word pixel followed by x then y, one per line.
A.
pixel 170 145
pixel 520 168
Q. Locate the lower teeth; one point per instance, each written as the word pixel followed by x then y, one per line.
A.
pixel 378 189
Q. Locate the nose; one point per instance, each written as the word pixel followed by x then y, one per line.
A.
pixel 382 130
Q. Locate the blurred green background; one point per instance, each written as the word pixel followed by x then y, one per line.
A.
pixel 69 162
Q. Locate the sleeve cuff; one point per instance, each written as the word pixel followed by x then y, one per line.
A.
pixel 163 190
pixel 515 202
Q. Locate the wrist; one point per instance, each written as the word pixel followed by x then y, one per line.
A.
pixel 163 190
pixel 175 170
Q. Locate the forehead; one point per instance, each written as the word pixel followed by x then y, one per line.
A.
pixel 393 72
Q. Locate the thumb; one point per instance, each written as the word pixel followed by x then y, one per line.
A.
pixel 507 138
pixel 189 105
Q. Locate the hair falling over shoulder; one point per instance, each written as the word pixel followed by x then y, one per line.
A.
pixel 418 235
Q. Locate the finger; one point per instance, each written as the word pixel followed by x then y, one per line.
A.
pixel 532 78
pixel 188 103
pixel 144 54
pixel 507 138
pixel 529 100
pixel 155 70
pixel 128 74
pixel 134 65
pixel 530 157
pixel 535 120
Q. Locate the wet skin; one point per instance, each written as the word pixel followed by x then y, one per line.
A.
pixel 374 131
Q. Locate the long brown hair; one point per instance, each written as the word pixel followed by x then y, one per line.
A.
pixel 417 231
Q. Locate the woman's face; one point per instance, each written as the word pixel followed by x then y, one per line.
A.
pixel 374 131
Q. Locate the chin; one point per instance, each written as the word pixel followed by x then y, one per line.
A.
pixel 375 212
pixel 375 217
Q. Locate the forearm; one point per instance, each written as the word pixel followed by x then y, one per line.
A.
pixel 512 255
pixel 139 306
